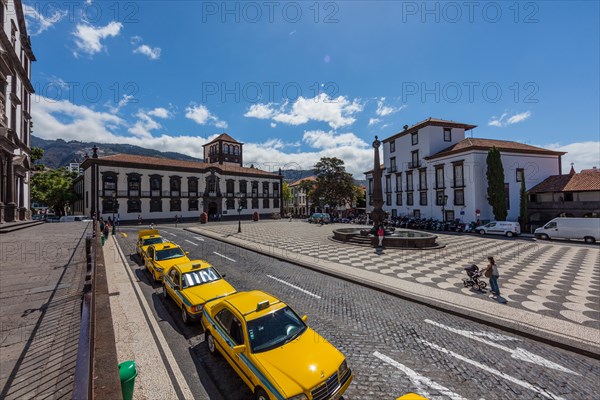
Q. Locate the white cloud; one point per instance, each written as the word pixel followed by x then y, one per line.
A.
pixel 88 38
pixel 153 53
pixel 329 140
pixel 503 121
pixel 337 112
pixel 137 39
pixel 200 115
pixel 273 125
pixel 373 121
pixel 383 110
pixel 144 126
pixel 160 112
pixel 37 22
pixel 126 99
pixel 583 155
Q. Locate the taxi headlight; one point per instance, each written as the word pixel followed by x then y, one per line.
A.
pixel 343 368
pixel 159 269
pixel 299 397
pixel 197 308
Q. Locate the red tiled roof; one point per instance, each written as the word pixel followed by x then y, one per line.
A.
pixel 431 121
pixel 308 178
pixel 222 136
pixel 581 182
pixel 155 162
pixel 486 144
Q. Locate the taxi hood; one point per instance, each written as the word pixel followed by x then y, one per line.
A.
pixel 302 364
pixel 208 291
pixel 166 264
pixel 147 232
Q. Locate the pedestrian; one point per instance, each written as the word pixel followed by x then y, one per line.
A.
pixel 102 224
pixel 139 219
pixel 491 271
pixel 380 234
pixel 105 231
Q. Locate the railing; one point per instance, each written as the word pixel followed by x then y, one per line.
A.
pixel 393 168
pixel 414 164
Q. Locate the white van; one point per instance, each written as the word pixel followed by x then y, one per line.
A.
pixel 74 218
pixel 507 228
pixel 587 229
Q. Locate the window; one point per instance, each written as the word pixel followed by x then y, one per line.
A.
pixel 254 203
pixel 231 325
pixel 520 174
pixel 254 190
pixel 370 193
pixel 568 196
pixel 175 204
pixel 417 213
pixel 409 181
pixel 243 187
pixel 134 206
pixel 392 146
pixel 276 202
pixel 244 203
pixel 447 135
pixel 459 180
pixel 415 138
pixel 110 205
pixel 109 184
pixel 415 159
pixel 175 186
pixel 155 185
pixel 265 189
pixel 394 213
pixel 459 197
pixel 229 186
pixel 193 205
pixel 409 199
pixel 532 198
pixel 449 215
pixel 393 167
pixel 133 185
pixel 423 198
pixel 388 199
pixel 155 205
pixel 398 182
pixel 423 179
pixel 507 194
pixel 388 184
pixel 439 198
pixel 265 203
pixel 230 204
pixel 439 176
pixel 276 189
pixel 193 187
pixel 398 199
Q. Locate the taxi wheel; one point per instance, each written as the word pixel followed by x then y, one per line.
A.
pixel 185 317
pixel 260 394
pixel 164 291
pixel 210 342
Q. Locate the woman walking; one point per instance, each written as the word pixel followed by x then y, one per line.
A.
pixel 380 234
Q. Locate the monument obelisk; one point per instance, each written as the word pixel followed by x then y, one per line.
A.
pixel 377 215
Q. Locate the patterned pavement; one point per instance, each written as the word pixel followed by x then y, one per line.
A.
pixel 560 280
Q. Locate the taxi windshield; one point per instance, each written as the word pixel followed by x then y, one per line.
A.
pixel 195 278
pixel 169 254
pixel 274 330
pixel 150 241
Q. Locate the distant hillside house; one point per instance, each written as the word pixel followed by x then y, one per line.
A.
pixel 16 57
pixel 572 195
pixel 431 170
pixel 157 189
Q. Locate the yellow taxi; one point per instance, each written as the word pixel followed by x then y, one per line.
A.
pixel 146 237
pixel 272 349
pixel 411 396
pixel 162 256
pixel 192 284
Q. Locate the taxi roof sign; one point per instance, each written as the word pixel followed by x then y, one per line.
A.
pixel 262 305
pixel 194 266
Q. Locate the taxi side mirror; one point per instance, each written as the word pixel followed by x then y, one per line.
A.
pixel 223 276
pixel 304 318
pixel 239 349
pixel 187 253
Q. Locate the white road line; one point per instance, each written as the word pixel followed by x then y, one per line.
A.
pixel 172 234
pixel 419 380
pixel 518 353
pixel 195 244
pixel 493 336
pixel 221 255
pixel 501 374
pixel 295 287
pixel 199 238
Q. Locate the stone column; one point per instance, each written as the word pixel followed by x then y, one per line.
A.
pixel 22 208
pixel 377 215
pixel 9 211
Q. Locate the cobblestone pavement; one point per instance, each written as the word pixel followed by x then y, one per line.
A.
pixel 42 270
pixel 393 346
pixel 554 279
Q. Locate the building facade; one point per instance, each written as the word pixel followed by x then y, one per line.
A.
pixel 16 57
pixel 299 206
pixel 431 170
pixel 570 195
pixel 158 189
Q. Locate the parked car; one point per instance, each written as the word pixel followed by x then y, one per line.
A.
pixel 147 237
pixel 191 285
pixel 52 218
pixel 317 218
pixel 587 229
pixel 272 349
pixel 162 256
pixel 74 218
pixel 507 228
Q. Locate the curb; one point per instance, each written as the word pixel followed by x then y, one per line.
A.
pixel 565 342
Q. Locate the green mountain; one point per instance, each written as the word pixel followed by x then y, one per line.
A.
pixel 58 153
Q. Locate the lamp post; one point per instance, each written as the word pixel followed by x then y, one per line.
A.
pixel 444 200
pixel 240 208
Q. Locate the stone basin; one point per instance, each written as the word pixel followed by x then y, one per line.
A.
pixel 399 238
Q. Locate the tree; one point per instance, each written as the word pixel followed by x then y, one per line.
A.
pixel 286 195
pixel 495 190
pixel 36 155
pixel 523 203
pixel 308 187
pixel 53 188
pixel 361 196
pixel 334 186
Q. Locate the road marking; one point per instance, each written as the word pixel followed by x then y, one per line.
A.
pixel 518 353
pixel 195 244
pixel 502 375
pixel 295 287
pixel 469 334
pixel 419 380
pixel 172 234
pixel 123 234
pixel 221 255
pixel 199 238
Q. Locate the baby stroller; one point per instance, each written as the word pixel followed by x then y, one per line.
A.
pixel 473 281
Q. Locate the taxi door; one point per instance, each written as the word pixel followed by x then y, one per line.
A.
pixel 175 286
pixel 150 258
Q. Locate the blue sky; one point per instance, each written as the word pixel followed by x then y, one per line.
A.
pixel 296 81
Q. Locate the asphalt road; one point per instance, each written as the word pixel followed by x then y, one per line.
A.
pixel 392 345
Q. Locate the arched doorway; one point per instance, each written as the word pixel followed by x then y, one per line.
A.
pixel 213 209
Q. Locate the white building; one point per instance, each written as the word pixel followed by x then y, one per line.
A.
pixel 299 203
pixel 15 114
pixel 431 170
pixel 160 188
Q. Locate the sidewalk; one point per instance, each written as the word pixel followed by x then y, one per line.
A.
pixel 553 290
pixel 138 336
pixel 42 271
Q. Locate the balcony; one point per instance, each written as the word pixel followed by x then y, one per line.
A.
pixel 393 168
pixel 230 195
pixel 414 164
pixel 155 193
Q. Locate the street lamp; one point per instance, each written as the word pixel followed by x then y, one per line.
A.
pixel 240 208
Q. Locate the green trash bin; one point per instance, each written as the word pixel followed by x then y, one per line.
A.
pixel 127 374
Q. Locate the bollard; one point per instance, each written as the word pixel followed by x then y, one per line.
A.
pixel 127 374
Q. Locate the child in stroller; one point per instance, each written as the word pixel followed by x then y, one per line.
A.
pixel 473 281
